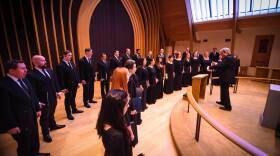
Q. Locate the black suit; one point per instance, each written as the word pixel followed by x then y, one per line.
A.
pixel 226 72
pixel 104 76
pixel 68 78
pixel 214 56
pixel 18 109
pixel 136 57
pixel 114 63
pixel 87 73
pixel 125 58
pixel 45 86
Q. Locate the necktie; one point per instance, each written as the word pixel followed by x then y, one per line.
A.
pixel 24 87
pixel 69 64
pixel 46 73
pixel 89 61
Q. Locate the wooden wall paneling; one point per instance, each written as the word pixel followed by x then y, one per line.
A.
pixel 15 30
pixel 54 32
pixel 74 19
pixel 129 8
pixel 154 39
pixel 141 27
pixel 234 25
pixel 190 23
pixel 57 19
pixel 157 35
pixel 70 28
pixel 145 20
pixel 5 34
pixel 35 27
pixel 50 32
pixel 148 37
pixel 151 9
pixel 62 24
pixel 46 34
pixel 25 33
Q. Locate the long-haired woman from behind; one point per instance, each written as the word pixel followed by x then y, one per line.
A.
pixel 111 124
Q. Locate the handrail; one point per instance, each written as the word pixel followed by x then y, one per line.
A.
pixel 251 149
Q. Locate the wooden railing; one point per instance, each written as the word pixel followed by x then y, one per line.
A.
pixel 243 144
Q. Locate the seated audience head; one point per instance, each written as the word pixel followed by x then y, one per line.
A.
pixel 67 55
pixel 16 68
pixel 39 61
pixel 88 52
pixel 214 49
pixel 195 54
pixel 150 53
pixel 113 108
pixel 120 78
pixel 131 66
pixel 178 55
pixel 159 60
pixel 161 51
pixel 138 51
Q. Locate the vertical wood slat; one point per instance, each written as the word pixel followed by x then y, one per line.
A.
pixel 6 35
pixel 15 29
pixel 46 33
pixel 54 32
pixel 234 20
pixel 35 27
pixel 25 32
pixel 70 29
pixel 62 24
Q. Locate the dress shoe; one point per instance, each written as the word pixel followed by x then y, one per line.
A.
pixel 219 102
pixel 225 109
pixel 87 105
pixel 77 111
pixel 56 127
pixel 70 117
pixel 141 154
pixel 48 138
pixel 139 122
pixel 44 154
pixel 92 101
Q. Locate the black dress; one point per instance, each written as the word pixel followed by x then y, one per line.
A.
pixel 151 90
pixel 204 64
pixel 195 66
pixel 169 79
pixel 115 143
pixel 159 85
pixel 187 73
pixel 178 69
pixel 143 78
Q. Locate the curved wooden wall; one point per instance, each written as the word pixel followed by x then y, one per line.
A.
pixel 30 27
pixel 86 10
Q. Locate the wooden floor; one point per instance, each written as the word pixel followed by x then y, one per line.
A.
pixel 79 138
pixel 247 106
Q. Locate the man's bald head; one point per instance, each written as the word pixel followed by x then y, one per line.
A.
pixel 39 61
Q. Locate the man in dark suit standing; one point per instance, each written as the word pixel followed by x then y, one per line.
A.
pixel 68 79
pixel 214 55
pixel 87 74
pixel 136 57
pixel 20 109
pixel 126 56
pixel 162 55
pixel 45 85
pixel 104 74
pixel 226 72
pixel 115 61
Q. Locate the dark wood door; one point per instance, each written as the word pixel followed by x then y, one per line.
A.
pixel 262 50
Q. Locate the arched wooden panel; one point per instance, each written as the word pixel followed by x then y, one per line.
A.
pixel 74 18
pixel 54 31
pixel 58 27
pixel 85 12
